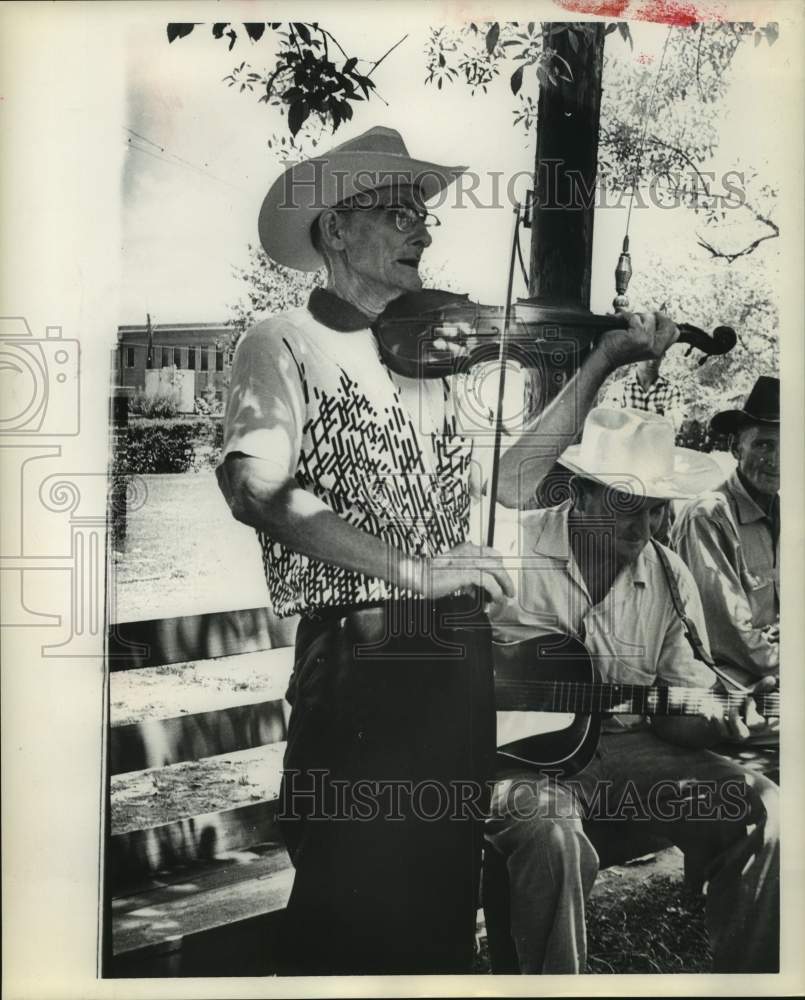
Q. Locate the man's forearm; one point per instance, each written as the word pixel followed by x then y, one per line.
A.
pixel 531 456
pixel 692 732
pixel 295 518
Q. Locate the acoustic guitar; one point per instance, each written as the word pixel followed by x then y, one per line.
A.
pixel 555 674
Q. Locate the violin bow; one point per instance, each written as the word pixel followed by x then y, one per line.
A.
pixel 502 363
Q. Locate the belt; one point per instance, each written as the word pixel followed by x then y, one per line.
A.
pixel 451 604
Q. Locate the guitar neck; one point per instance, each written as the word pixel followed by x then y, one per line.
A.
pixel 583 698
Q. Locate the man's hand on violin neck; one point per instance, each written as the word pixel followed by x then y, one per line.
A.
pixel 649 335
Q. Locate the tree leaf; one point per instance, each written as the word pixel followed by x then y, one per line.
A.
pixel 255 29
pixel 492 37
pixel 625 33
pixel 350 64
pixel 232 36
pixel 218 29
pixel 517 80
pixel 298 114
pixel 573 38
pixel 179 30
pixel 772 32
pixel 301 30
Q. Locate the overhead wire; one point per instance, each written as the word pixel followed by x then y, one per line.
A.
pixel 646 119
pixel 173 158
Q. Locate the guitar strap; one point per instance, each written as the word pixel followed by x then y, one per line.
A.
pixel 691 632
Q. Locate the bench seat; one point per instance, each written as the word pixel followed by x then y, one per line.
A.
pixel 180 926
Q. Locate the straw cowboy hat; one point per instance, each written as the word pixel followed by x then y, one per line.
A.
pixel 762 406
pixel 376 159
pixel 633 451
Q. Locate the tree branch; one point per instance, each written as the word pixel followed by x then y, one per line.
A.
pixel 328 34
pixel 699 62
pixel 684 156
pixel 380 60
pixel 750 248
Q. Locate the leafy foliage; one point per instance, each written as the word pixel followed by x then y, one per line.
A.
pixel 160 445
pixel 304 81
pixel 475 54
pixel 738 295
pixel 269 288
pixel 163 445
pixel 162 403
pixel 678 108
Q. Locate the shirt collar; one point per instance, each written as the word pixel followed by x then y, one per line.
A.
pixel 658 381
pixel 330 310
pixel 553 541
pixel 552 537
pixel 745 506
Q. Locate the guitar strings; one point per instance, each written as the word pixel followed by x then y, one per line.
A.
pixel 677 698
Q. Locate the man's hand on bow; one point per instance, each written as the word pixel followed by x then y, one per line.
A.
pixel 466 566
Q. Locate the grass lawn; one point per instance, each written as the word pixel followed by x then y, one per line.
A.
pixel 186 554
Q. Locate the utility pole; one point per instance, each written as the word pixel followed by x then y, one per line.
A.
pixel 568 115
pixel 149 358
pixel 565 173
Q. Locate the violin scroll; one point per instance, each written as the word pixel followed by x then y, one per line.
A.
pixel 722 340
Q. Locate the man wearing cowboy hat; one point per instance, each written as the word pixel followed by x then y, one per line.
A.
pixel 359 485
pixel 730 538
pixel 589 568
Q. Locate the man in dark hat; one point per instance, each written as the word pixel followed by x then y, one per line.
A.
pixel 359 482
pixel 730 538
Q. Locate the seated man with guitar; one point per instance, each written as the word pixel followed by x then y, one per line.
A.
pixel 589 572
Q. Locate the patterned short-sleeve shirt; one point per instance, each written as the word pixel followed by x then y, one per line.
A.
pixel 379 450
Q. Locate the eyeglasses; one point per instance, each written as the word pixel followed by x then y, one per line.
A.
pixel 406 218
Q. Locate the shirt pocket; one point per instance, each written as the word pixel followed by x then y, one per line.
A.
pixel 760 592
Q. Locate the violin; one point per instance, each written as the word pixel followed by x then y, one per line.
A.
pixel 408 330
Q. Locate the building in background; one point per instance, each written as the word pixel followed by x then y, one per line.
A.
pixel 200 348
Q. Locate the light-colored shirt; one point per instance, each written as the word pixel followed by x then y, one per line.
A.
pixel 381 451
pixel 634 634
pixel 728 543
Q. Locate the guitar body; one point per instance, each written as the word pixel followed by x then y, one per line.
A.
pixel 556 658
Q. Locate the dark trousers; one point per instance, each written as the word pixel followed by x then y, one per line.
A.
pixel 387 769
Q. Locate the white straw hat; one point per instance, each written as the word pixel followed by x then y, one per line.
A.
pixel 633 451
pixel 377 158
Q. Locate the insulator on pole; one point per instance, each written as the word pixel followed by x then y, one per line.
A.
pixel 623 275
